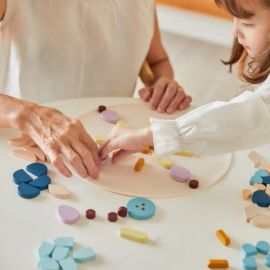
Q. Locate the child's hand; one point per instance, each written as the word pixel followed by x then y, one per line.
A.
pixel 166 95
pixel 126 141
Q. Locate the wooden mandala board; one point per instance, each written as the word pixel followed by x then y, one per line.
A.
pixel 153 181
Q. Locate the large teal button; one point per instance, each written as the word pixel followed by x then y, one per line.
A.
pixel 141 208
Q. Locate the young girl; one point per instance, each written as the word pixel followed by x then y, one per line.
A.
pixel 218 127
pixel 59 49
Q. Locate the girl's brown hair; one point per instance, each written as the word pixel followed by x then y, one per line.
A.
pixel 257 69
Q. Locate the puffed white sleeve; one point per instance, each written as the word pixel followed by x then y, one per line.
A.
pixel 218 127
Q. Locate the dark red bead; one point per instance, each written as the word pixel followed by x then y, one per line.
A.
pixel 193 184
pixel 90 214
pixel 101 108
pixel 112 216
pixel 122 211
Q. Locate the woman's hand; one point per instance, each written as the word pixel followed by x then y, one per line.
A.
pixel 126 141
pixel 62 139
pixel 166 95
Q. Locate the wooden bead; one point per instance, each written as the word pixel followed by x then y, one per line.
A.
pixel 101 108
pixel 112 216
pixel 122 211
pixel 139 165
pixel 90 213
pixel 193 184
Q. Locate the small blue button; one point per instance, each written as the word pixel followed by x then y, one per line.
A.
pixel 141 208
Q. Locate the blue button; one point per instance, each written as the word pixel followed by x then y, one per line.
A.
pixel 141 208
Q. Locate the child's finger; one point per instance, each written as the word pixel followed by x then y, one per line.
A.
pixel 185 103
pixel 179 97
pixel 167 98
pixel 108 148
pixel 158 93
pixel 121 155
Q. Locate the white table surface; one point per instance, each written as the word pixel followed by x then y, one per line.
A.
pixel 182 232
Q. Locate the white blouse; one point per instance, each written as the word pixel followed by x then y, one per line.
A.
pixel 218 127
pixel 61 49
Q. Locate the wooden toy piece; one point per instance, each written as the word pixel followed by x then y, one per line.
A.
pixel 100 139
pixel 90 213
pixel 193 184
pixel 262 247
pixel 48 263
pixel 266 180
pixel 256 158
pixel 141 208
pixel 267 260
pixel 255 179
pixel 133 235
pixel 267 190
pixel 249 263
pixel 25 155
pixel 261 198
pixel 246 194
pixel 64 242
pixel 248 250
pixel 27 191
pixel 261 173
pixel 261 221
pixel 122 124
pixel 122 211
pixel 42 182
pixel 185 153
pixel 60 253
pixel 266 166
pixel 84 255
pixel 68 264
pixel 112 217
pixel 146 150
pixel 180 174
pixel 68 214
pixel 59 191
pixel 37 152
pixel 101 108
pixel 258 186
pixel 22 141
pixel 20 176
pixel 37 169
pixel 45 249
pixel 218 264
pixel 251 212
pixel 139 165
pixel 166 163
pixel 110 116
pixel 223 237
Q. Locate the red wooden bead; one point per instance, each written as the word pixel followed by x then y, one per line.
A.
pixel 101 108
pixel 90 214
pixel 193 184
pixel 112 216
pixel 122 211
